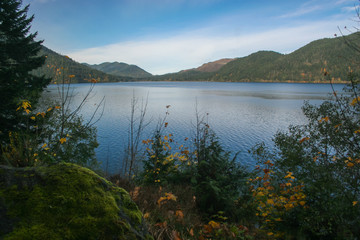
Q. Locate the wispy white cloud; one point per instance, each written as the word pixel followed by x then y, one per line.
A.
pixel 352 9
pixel 305 8
pixel 189 50
pixel 319 5
pixel 339 2
pixel 43 1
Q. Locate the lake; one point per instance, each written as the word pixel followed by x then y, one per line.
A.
pixel 241 114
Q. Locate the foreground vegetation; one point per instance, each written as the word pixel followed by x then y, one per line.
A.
pixel 306 187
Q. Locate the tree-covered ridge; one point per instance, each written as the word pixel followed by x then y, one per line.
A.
pixel 82 73
pixel 121 69
pixel 306 64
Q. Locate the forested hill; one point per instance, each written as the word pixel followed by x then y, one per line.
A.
pixel 120 69
pixel 58 66
pixel 306 64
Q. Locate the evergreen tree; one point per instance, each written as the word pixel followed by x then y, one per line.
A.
pixel 18 57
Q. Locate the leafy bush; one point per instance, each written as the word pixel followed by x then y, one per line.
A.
pixel 51 136
pixel 324 155
pixel 218 181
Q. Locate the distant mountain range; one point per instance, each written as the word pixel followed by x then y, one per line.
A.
pixel 211 66
pixel 59 67
pixel 120 69
pixel 306 64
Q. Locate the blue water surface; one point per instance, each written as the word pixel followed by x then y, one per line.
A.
pixel 241 114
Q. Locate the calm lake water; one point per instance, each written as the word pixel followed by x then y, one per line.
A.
pixel 241 114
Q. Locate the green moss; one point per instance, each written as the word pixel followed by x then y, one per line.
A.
pixel 67 201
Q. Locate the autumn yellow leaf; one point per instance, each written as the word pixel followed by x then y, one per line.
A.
pixel 355 101
pixel 32 118
pixel 288 206
pixel 170 196
pixel 176 235
pixel 62 140
pixel 260 194
pixel 289 175
pixel 324 119
pixel 354 203
pixel 41 113
pixel 44 145
pixel 214 224
pixel 161 224
pixel 304 139
pixel 191 232
pixel 161 199
pixel 350 164
pixel 179 214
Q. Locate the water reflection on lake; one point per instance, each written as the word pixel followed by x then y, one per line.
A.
pixel 242 114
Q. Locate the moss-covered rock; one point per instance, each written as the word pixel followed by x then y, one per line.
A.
pixel 65 201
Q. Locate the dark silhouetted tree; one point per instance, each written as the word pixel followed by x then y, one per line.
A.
pixel 18 57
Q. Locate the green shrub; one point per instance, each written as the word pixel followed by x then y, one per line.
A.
pixel 324 155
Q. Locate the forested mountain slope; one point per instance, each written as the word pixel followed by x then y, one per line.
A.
pixel 58 67
pixel 121 69
pixel 306 64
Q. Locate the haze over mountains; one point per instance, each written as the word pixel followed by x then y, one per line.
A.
pixel 306 64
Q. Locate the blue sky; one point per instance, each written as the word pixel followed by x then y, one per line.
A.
pixel 163 36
